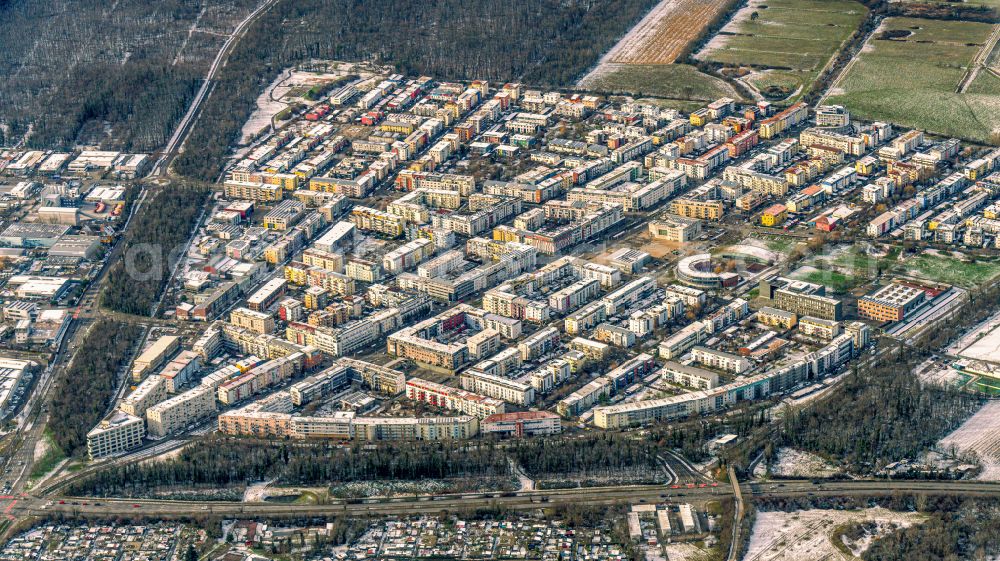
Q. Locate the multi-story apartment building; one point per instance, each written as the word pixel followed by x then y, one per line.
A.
pixel 511 391
pixel 776 318
pixel 152 390
pixel 694 208
pixel 690 376
pixel 258 322
pixel 447 397
pixel 522 423
pixel 117 434
pixel 180 411
pixel 538 343
pixel 721 360
pixel 825 329
pixel 370 219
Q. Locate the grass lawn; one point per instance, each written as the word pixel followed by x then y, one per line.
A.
pixel 933 60
pixel 985 83
pixel 949 270
pixel 834 280
pixel 986 386
pixel 848 261
pixel 677 81
pixel 53 455
pixel 793 38
pixel 781 245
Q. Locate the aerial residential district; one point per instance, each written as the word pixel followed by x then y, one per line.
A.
pixel 419 317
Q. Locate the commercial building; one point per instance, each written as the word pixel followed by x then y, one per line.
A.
pixel 832 116
pixel 892 302
pixel 675 229
pixel 800 297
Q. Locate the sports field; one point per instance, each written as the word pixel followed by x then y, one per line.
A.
pixel 912 79
pixel 787 41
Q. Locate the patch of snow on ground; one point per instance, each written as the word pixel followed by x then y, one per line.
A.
pixel 685 552
pixel 796 463
pixel 41 447
pixel 979 434
pixel 807 534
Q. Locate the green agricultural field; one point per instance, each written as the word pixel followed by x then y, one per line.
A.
pixel 949 270
pixel 789 41
pixel 913 80
pixel 675 81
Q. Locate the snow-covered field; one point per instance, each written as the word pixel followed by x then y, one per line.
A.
pixel 808 534
pixel 796 463
pixel 273 100
pixel 685 552
pixel 979 434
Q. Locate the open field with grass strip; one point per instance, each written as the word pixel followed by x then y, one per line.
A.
pixel 987 3
pixel 950 270
pixel 912 79
pixel 795 37
pixel 675 81
pixel 985 84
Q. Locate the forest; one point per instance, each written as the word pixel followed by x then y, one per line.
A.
pixel 956 529
pixel 878 415
pixel 544 42
pixel 221 462
pixel 112 74
pixel 152 245
pixel 224 462
pixel 83 393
